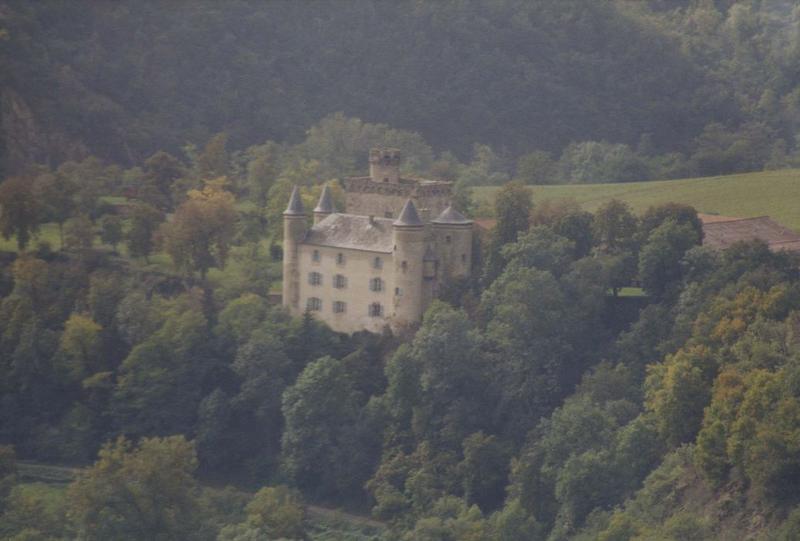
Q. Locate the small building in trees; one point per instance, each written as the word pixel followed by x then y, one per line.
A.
pixel 723 231
pixel 383 260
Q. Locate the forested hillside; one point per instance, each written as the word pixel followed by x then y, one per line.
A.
pixel 601 375
pixel 120 80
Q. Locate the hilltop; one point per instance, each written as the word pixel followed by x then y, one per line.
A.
pixel 120 80
pixel 772 193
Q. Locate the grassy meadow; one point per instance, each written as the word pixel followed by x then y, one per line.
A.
pixel 773 193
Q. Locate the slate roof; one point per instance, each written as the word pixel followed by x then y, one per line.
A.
pixel 722 231
pixel 295 205
pixel 354 232
pixel 451 216
pixel 409 215
pixel 325 201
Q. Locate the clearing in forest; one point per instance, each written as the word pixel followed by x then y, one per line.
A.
pixel 770 193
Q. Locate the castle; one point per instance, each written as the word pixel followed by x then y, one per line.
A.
pixel 383 261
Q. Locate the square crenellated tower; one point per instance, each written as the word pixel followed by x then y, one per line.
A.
pixel 384 165
pixel 384 192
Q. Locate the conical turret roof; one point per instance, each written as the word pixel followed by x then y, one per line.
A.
pixel 451 216
pixel 295 203
pixel 408 216
pixel 325 204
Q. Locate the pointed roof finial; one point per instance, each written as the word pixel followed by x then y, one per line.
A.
pixel 295 203
pixel 408 216
pixel 325 204
pixel 451 216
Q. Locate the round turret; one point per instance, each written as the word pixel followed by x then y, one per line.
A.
pixel 452 232
pixel 409 252
pixel 294 231
pixel 325 206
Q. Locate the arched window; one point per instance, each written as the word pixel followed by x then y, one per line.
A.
pixel 314 304
pixel 339 281
pixel 375 309
pixel 314 278
pixel 375 284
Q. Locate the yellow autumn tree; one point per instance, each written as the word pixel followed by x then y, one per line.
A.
pixel 200 233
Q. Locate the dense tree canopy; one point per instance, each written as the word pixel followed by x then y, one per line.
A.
pixel 622 86
pixel 600 375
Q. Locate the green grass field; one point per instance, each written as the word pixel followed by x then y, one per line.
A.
pixel 47 233
pixel 773 193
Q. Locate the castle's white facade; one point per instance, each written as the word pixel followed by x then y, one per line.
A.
pixel 383 261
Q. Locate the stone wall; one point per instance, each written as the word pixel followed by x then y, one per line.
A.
pixel 387 201
pixel 358 268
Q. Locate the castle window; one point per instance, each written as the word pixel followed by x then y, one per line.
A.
pixel 377 263
pixel 315 256
pixel 314 304
pixel 339 281
pixel 339 307
pixel 340 258
pixel 314 278
pixel 447 239
pixel 376 284
pixel 375 309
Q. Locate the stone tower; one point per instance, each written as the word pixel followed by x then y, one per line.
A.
pixel 384 192
pixel 294 232
pixel 324 206
pixel 452 233
pixel 384 165
pixel 409 251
